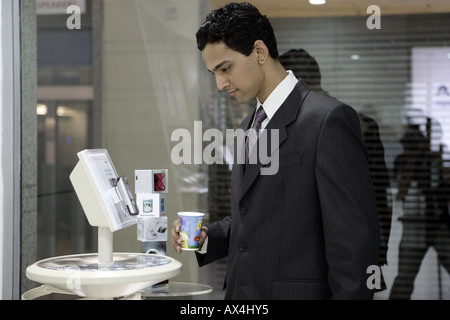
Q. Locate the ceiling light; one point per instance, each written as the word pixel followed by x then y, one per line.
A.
pixel 41 109
pixel 317 2
pixel 355 56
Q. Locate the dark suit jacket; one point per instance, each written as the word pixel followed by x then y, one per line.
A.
pixel 311 230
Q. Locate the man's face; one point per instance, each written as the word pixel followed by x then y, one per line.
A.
pixel 240 75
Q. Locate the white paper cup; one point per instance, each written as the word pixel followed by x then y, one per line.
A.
pixel 190 229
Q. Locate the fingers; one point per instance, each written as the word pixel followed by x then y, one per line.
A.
pixel 176 239
pixel 203 236
pixel 176 226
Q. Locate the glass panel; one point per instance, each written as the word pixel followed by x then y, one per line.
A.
pixel 394 77
pixel 63 130
pixel 64 112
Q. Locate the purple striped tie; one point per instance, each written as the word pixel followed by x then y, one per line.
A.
pixel 253 133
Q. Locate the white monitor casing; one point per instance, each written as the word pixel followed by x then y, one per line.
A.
pixel 92 179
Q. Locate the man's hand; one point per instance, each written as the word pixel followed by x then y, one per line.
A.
pixel 176 239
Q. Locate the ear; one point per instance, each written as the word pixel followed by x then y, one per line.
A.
pixel 262 52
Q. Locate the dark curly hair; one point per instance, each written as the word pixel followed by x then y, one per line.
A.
pixel 238 25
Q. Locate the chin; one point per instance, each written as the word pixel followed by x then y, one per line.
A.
pixel 243 100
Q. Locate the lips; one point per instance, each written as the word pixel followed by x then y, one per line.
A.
pixel 232 92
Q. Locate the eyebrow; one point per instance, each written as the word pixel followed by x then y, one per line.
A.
pixel 220 65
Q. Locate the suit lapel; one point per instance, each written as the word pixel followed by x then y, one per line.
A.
pixel 286 114
pixel 238 167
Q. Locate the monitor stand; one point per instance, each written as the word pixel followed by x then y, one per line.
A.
pixel 105 246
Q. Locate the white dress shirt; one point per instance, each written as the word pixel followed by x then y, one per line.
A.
pixel 277 97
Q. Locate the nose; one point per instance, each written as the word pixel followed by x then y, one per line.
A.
pixel 222 82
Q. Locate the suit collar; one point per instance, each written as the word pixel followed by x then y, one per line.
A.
pixel 286 114
pixel 276 98
pixel 288 111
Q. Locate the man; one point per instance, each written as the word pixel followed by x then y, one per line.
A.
pixel 310 230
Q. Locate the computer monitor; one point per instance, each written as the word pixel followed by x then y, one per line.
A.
pixel 105 197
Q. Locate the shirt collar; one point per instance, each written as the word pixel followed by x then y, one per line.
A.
pixel 278 95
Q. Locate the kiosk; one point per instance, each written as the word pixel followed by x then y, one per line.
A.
pixel 109 205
